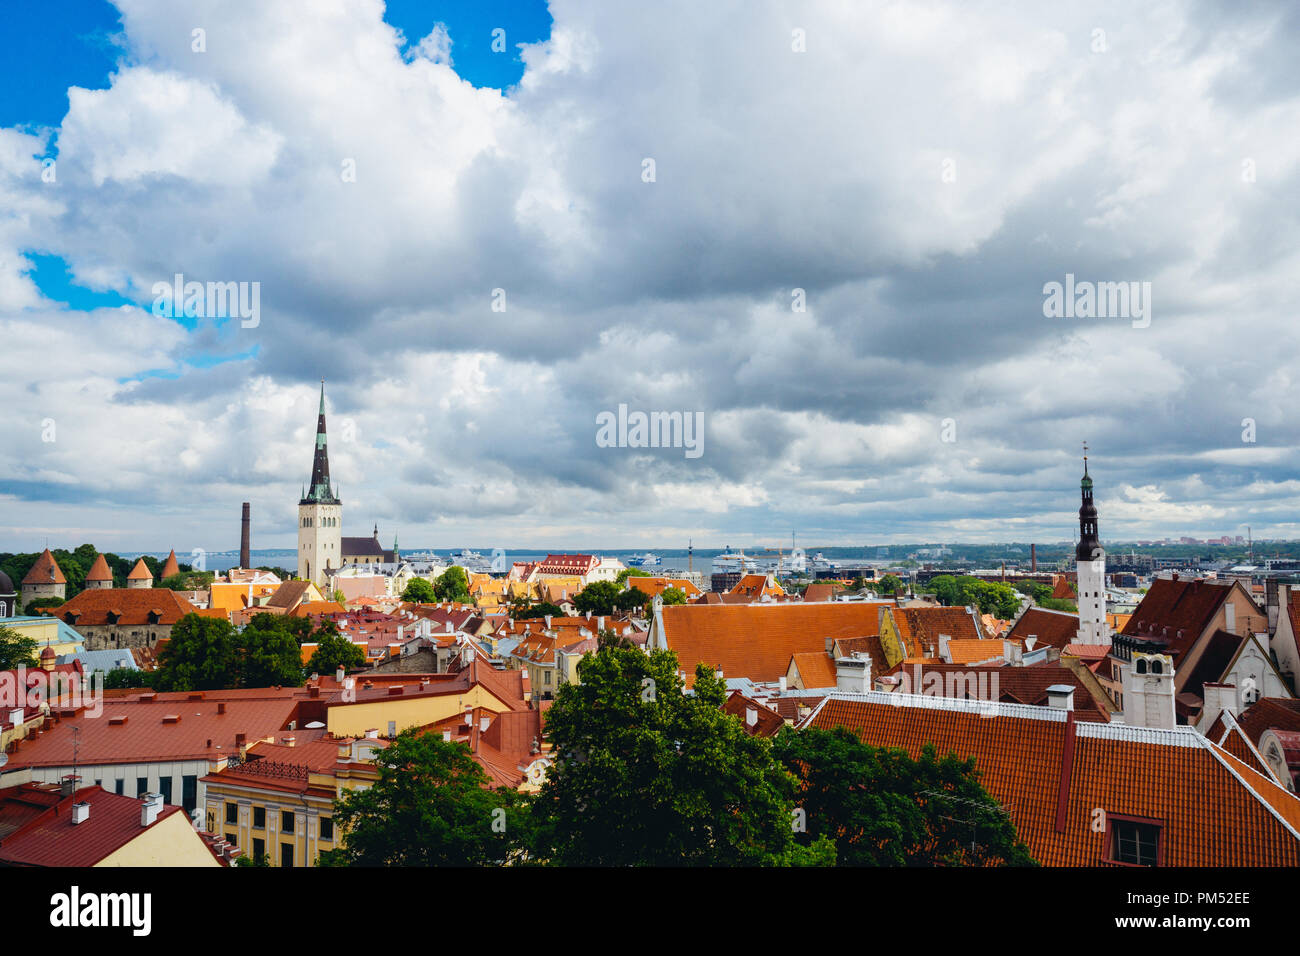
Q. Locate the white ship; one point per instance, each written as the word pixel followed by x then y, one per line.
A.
pixel 731 562
pixel 646 560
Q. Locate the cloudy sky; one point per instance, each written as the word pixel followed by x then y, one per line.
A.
pixel 645 188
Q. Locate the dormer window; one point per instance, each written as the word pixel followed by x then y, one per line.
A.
pixel 1135 841
pixel 1141 665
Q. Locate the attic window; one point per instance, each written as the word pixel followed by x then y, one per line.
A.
pixel 1134 842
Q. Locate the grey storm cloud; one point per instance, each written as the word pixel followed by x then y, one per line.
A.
pixel 918 175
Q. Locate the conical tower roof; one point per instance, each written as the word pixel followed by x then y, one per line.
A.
pixel 99 570
pixel 45 571
pixel 320 491
pixel 170 567
pixel 140 572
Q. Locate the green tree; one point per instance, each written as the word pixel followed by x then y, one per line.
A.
pixel 647 775
pixel 16 649
pixel 419 591
pixel 270 651
pixel 599 597
pixel 335 651
pixel 452 585
pixel 249 860
pixel 889 584
pixel 626 573
pixel 208 654
pixel 631 600
pixel 203 654
pixel 34 606
pixel 882 808
pixel 1059 604
pixel 528 612
pixel 126 677
pixel 673 596
pixel 431 806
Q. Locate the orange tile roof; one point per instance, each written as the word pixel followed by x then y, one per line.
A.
pixel 920 627
pixel 655 586
pixel 1052 773
pixel 140 572
pixel 758 640
pixel 132 605
pixel 816 669
pixel 99 570
pixel 170 567
pixel 974 652
pixel 45 571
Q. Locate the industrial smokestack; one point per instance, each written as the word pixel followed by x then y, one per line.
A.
pixel 245 559
pixel 1033 559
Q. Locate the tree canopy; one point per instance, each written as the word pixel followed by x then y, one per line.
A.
pixel 207 653
pixel 882 808
pixel 431 806
pixel 646 775
pixel 334 651
pixel 991 597
pixel 419 591
pixel 16 649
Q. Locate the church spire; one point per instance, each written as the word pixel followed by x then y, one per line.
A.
pixel 319 492
pixel 1089 543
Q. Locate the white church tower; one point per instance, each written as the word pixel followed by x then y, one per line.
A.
pixel 320 515
pixel 1090 565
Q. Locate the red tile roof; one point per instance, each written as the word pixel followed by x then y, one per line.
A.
pixel 140 572
pixel 99 570
pixel 170 567
pixel 921 626
pixel 1051 628
pixel 1052 774
pixel 134 729
pixel 45 571
pixel 50 838
pixel 815 668
pixel 758 640
pixel 132 606
pixel 767 722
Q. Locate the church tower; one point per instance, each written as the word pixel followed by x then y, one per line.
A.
pixel 1090 563
pixel 320 515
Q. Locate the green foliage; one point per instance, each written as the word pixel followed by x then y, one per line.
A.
pixel 334 651
pixel 1035 589
pixel 126 677
pixel 452 585
pixel 631 600
pixel 188 581
pixel 419 591
pixel 889 584
pixel 882 808
pixel 599 597
pixel 991 597
pixel 16 649
pixel 673 596
pixel 622 576
pixel 1059 604
pixel 33 608
pixel 208 653
pixel 431 806
pixel 648 776
pixel 247 860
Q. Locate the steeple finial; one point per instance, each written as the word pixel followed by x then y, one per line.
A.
pixel 1085 458
pixel 322 396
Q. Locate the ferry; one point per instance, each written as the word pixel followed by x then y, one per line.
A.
pixel 646 560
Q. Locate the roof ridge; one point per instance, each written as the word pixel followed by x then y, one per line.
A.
pixel 1230 725
pixel 1219 754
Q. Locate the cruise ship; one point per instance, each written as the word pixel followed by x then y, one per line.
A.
pixel 646 560
pixel 734 561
